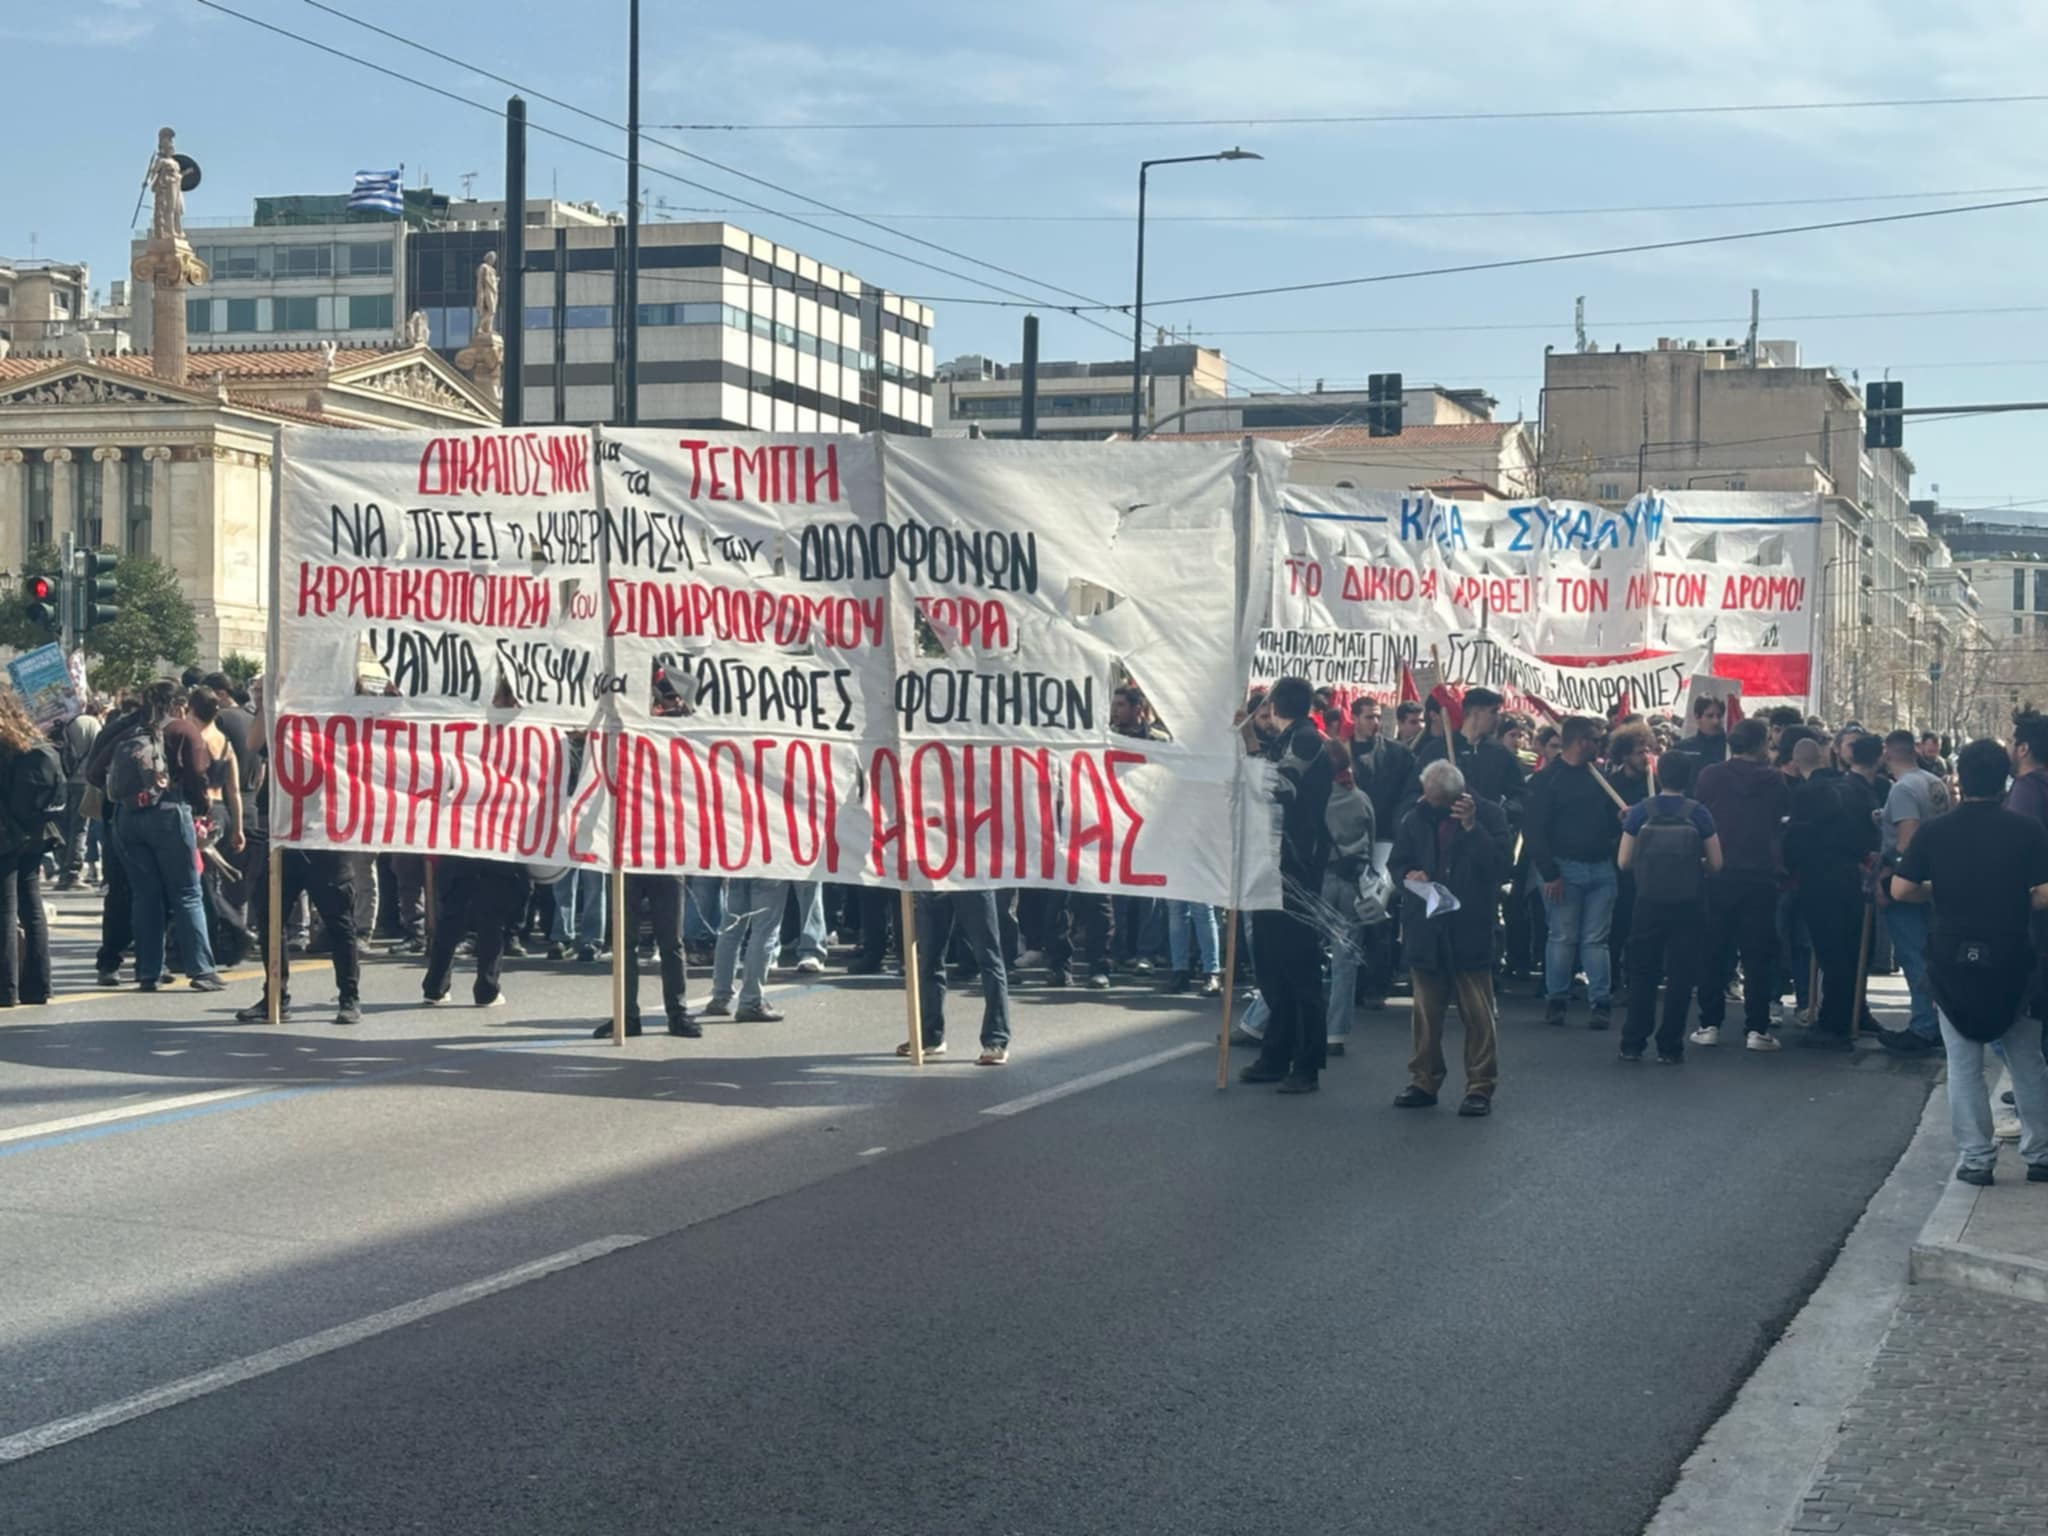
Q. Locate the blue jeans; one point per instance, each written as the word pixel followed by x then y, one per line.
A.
pixel 1907 924
pixel 753 921
pixel 1969 1092
pixel 1200 917
pixel 1579 925
pixel 579 909
pixel 160 853
pixel 810 908
pixel 703 910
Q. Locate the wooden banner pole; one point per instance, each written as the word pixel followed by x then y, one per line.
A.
pixel 1229 995
pixel 625 931
pixel 273 944
pixel 912 992
pixel 1813 991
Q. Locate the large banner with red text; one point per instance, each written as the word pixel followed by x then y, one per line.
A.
pixel 888 661
pixel 1365 583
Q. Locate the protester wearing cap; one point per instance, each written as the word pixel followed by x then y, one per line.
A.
pixel 1984 869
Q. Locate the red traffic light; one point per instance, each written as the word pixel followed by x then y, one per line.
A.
pixel 41 588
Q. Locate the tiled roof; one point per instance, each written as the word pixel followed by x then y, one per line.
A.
pixel 234 363
pixel 1467 434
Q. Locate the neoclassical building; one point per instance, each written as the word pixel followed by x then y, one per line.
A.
pixel 109 449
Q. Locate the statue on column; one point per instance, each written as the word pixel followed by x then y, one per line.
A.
pixel 484 358
pixel 486 296
pixel 166 180
pixel 416 332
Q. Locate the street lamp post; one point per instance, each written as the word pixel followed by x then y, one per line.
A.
pixel 1138 306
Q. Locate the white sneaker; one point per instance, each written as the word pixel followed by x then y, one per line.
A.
pixel 1706 1034
pixel 810 965
pixel 1759 1041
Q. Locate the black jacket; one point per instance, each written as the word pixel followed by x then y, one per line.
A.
pixel 1472 864
pixel 1304 795
pixel 1708 749
pixel 1830 828
pixel 1391 784
pixel 33 800
pixel 1569 817
pixel 1491 771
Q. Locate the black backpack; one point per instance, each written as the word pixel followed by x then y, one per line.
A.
pixel 1670 860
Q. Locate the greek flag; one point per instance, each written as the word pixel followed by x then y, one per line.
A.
pixel 377 192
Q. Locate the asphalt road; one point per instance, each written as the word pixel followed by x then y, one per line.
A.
pixel 866 1304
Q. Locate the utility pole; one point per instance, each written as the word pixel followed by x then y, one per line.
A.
pixel 512 384
pixel 1028 422
pixel 69 589
pixel 632 261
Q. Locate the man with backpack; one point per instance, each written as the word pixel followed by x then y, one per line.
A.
pixel 1985 871
pixel 1748 800
pixel 1669 844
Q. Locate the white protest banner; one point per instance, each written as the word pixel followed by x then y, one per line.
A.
pixel 438 642
pixel 1366 580
pixel 1654 684
pixel 884 661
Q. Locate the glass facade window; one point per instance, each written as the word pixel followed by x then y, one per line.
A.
pixel 304 261
pixel 241 314
pixel 198 316
pixel 301 314
pixel 369 260
pixel 369 312
pixel 2019 589
pixel 587 317
pixel 540 317
pixel 239 261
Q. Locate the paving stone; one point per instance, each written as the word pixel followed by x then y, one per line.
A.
pixel 1946 1436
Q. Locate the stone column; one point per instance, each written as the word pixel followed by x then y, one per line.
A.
pixel 63 496
pixel 159 459
pixel 113 508
pixel 13 498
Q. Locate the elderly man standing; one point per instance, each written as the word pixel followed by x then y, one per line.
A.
pixel 1460 843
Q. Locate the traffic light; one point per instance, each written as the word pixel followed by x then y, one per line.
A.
pixel 41 592
pixel 96 607
pixel 1383 405
pixel 1883 426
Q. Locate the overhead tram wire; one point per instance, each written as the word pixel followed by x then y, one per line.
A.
pixel 1022 300
pixel 1534 114
pixel 730 171
pixel 1076 312
pixel 1506 263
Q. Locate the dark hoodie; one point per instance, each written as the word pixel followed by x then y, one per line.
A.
pixel 1749 801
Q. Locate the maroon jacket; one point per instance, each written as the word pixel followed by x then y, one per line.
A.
pixel 1749 801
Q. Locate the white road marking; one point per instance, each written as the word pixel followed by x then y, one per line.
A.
pixel 62 1431
pixel 1097 1079
pixel 874 1151
pixel 123 1112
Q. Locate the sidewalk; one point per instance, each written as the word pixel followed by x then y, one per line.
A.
pixel 1945 1435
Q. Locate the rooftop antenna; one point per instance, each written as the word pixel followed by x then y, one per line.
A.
pixel 468 180
pixel 1579 323
pixel 1755 311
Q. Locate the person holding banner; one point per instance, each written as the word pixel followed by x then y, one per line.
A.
pixel 1492 772
pixel 479 896
pixel 1572 830
pixel 661 898
pixel 1290 960
pixel 937 914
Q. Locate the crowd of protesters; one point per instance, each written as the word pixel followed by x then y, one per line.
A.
pixel 1651 866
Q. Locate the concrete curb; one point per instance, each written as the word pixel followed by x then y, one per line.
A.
pixel 1940 1256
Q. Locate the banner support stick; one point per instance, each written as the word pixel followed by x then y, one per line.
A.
pixel 1229 995
pixel 912 992
pixel 273 943
pixel 1813 991
pixel 625 931
pixel 1862 970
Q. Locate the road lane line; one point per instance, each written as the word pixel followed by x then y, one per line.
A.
pixel 58 1432
pixel 123 1112
pixel 1096 1079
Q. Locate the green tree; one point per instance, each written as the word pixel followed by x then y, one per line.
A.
pixel 156 622
pixel 241 670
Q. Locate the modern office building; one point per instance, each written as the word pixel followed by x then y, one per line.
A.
pixel 1085 402
pixel 736 331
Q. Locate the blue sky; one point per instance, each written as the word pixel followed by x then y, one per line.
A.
pixel 265 115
